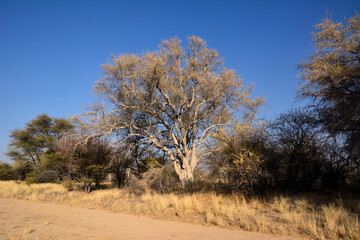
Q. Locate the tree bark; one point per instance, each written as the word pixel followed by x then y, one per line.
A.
pixel 186 175
pixel 186 170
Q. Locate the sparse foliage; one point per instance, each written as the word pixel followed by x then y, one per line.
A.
pixel 240 158
pixel 330 77
pixel 161 179
pixel 300 150
pixel 120 164
pixel 172 98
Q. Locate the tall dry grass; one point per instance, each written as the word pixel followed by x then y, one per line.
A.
pixel 278 215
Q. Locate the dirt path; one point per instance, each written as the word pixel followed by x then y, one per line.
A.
pixel 21 219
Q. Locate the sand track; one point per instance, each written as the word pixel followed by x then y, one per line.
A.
pixel 21 219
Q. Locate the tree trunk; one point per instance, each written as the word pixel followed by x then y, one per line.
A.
pixel 186 175
pixel 186 170
pixel 119 179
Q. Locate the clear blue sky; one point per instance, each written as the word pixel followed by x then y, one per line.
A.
pixel 51 51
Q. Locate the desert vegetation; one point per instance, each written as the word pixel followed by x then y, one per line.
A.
pixel 303 216
pixel 174 135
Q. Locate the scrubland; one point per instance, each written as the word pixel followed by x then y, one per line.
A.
pixel 306 217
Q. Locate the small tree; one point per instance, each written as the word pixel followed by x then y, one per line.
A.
pixel 22 169
pixel 121 161
pixel 239 158
pixel 5 171
pixel 300 150
pixel 173 99
pixel 86 161
pixel 39 138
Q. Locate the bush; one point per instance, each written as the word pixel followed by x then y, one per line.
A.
pixel 21 170
pixel 47 176
pixel 162 180
pixel 198 186
pixel 32 177
pixel 240 163
pixel 69 185
pixel 87 184
pixel 41 176
pixel 5 171
pixel 136 186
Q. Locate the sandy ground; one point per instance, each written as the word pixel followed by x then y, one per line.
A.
pixel 21 219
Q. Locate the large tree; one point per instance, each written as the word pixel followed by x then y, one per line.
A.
pixel 172 99
pixel 330 77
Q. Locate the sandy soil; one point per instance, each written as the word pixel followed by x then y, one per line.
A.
pixel 21 219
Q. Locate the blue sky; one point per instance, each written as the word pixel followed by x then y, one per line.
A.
pixel 51 51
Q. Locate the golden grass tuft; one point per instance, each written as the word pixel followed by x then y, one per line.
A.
pixel 340 223
pixel 281 204
pixel 279 215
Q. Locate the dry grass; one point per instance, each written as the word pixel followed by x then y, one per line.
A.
pixel 280 215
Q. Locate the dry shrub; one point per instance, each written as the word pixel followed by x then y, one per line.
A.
pixel 32 177
pixel 240 159
pixel 135 185
pixel 162 180
pixel 47 176
pixel 69 185
pixel 198 186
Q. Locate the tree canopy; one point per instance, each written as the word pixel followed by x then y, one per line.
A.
pixel 172 98
pixel 330 77
pixel 39 136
